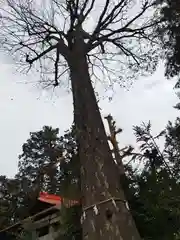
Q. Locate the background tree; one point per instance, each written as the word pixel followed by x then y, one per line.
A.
pixel 38 165
pixel 9 189
pixel 168 31
pixel 172 146
pixel 70 227
pixel 156 201
pixel 55 32
pixel 69 178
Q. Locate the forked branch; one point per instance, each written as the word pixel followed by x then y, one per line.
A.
pixel 38 31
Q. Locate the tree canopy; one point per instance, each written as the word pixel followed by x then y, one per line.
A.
pixel 44 36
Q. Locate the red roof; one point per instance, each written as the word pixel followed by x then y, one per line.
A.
pixel 50 198
pixel 55 200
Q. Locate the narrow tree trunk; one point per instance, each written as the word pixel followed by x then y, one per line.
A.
pixel 114 142
pixel 99 174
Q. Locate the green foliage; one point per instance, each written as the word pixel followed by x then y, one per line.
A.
pixel 172 146
pixel 38 165
pixel 9 192
pixel 156 203
pixel 70 227
pixel 28 235
pixel 169 33
pixel 70 167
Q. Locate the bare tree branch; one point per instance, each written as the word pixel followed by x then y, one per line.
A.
pixel 56 67
pixel 103 25
pixel 83 14
pixel 30 61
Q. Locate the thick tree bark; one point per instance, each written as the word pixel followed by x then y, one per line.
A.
pixel 99 174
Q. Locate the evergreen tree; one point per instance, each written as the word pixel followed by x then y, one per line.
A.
pixel 70 167
pixel 40 160
pixel 156 201
pixel 172 147
pixel 9 208
pixel 168 31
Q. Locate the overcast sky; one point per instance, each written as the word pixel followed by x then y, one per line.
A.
pixel 25 108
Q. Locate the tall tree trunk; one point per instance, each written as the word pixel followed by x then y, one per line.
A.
pixel 110 219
